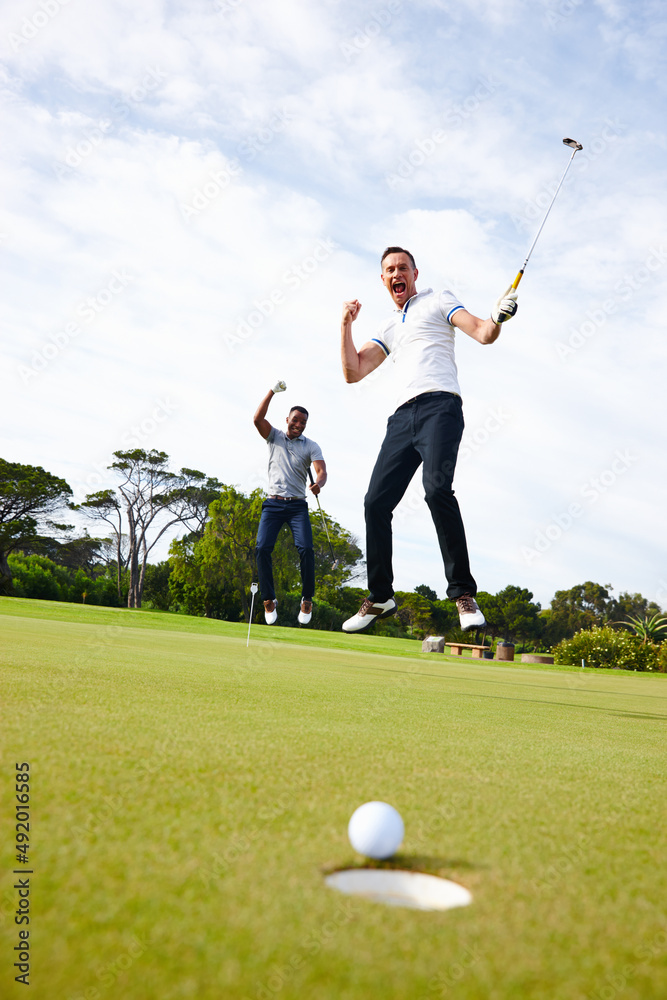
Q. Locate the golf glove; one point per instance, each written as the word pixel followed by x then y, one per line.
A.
pixel 506 306
pixel 280 386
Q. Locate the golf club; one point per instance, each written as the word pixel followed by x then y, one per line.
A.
pixel 334 562
pixel 253 590
pixel 575 147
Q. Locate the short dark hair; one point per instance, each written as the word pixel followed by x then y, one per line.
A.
pixel 398 250
pixel 301 409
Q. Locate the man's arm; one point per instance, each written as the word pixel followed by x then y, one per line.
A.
pixel 320 467
pixel 259 420
pixel 485 331
pixel 356 364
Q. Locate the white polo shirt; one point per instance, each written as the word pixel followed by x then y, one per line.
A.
pixel 420 339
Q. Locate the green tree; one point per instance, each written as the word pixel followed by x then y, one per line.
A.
pixel 226 552
pixel 415 612
pixel 581 607
pixel 82 552
pixel 511 614
pixel 426 592
pixel 28 494
pixel 211 575
pixel 156 585
pixel 633 606
pixel 149 499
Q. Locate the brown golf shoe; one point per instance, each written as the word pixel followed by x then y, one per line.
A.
pixel 270 612
pixel 305 611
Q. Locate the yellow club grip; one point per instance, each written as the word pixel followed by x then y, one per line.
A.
pixel 515 283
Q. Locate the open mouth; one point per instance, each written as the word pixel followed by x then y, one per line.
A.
pixel 398 287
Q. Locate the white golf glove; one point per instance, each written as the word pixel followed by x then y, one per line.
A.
pixel 280 386
pixel 506 306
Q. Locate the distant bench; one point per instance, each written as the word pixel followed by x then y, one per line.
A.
pixel 437 643
pixel 456 648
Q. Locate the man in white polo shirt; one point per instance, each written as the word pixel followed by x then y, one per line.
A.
pixel 290 456
pixel 426 427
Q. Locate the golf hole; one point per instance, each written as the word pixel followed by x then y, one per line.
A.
pixel 415 890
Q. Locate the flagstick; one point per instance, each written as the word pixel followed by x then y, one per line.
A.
pixel 253 591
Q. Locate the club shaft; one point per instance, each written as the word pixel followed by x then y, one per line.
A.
pixel 519 276
pixel 312 483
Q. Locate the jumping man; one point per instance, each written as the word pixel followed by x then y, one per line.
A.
pixel 290 456
pixel 425 429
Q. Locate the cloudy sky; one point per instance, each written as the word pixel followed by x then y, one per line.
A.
pixel 191 190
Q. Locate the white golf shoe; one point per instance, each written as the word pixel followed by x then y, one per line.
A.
pixel 270 612
pixel 470 614
pixel 305 611
pixel 368 614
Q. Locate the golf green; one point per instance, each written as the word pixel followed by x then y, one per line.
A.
pixel 188 794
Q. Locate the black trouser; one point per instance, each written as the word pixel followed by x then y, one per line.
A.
pixel 275 513
pixel 425 430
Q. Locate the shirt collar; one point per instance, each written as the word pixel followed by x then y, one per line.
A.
pixel 417 295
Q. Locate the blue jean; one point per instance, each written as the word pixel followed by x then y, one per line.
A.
pixel 275 513
pixel 425 430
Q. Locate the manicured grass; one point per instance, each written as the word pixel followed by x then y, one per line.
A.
pixel 189 793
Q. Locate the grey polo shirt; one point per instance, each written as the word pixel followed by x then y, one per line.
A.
pixel 288 463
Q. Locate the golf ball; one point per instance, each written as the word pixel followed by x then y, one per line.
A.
pixel 376 830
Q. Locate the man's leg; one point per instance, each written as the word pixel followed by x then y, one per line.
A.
pixel 438 430
pixel 270 523
pixel 395 466
pixel 302 533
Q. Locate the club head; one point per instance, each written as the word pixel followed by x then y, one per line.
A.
pixel 573 144
pixel 334 565
pixel 253 588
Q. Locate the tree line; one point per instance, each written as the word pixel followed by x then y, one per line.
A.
pixel 212 564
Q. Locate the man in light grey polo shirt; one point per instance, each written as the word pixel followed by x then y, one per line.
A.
pixel 290 457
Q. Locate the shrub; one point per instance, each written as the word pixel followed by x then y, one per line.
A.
pixel 662 658
pixel 39 577
pixel 604 646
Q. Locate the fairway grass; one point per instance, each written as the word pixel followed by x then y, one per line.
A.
pixel 188 795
